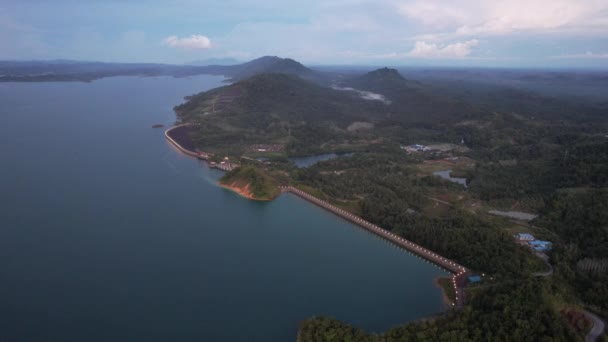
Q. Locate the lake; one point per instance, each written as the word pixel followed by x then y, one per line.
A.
pixel 447 174
pixel 109 234
pixel 307 161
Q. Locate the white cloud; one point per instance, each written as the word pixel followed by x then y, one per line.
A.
pixel 423 49
pixel 433 14
pixel 195 41
pixel 472 17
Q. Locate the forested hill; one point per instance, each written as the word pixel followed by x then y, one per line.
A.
pixel 277 109
pixel 385 81
pixel 267 64
pixel 411 101
pixel 306 117
pixel 278 99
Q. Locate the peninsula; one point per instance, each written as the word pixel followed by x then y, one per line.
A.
pixel 250 182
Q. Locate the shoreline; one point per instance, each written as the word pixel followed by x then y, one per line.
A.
pixel 446 299
pixel 458 272
pixel 242 192
pixel 176 144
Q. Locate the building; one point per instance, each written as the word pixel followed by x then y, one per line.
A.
pixel 474 279
pixel 540 245
pixel 415 148
pixel 525 237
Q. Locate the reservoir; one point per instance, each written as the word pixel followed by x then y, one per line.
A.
pixel 447 174
pixel 303 162
pixel 107 233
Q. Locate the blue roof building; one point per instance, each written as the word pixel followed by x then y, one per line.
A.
pixel 539 243
pixel 474 279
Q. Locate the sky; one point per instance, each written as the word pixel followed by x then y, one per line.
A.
pixel 507 33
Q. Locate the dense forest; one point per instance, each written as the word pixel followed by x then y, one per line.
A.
pixel 581 257
pixel 388 192
pixel 516 310
pixel 543 159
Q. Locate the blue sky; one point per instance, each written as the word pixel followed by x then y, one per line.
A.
pixel 508 33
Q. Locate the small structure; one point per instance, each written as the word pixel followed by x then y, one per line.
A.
pixel 540 245
pixel 415 148
pixel 474 279
pixel 525 237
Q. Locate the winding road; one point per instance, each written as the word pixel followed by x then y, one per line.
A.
pixel 598 324
pixel 598 327
pixel 545 273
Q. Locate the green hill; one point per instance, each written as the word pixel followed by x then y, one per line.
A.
pixel 250 182
pixel 276 109
pixel 271 64
pixel 385 81
pixel 411 101
pixel 303 117
pixel 266 64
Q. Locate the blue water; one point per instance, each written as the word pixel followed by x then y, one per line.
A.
pixel 108 234
pixel 303 162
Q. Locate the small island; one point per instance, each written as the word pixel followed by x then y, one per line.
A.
pixel 250 182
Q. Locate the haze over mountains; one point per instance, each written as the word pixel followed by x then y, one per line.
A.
pixel 424 95
pixel 214 61
pixel 35 71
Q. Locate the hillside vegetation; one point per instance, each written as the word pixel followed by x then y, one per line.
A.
pixel 554 166
pixel 411 101
pixel 251 182
pixel 277 109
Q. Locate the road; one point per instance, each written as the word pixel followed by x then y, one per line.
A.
pixel 598 324
pixel 598 327
pixel 545 273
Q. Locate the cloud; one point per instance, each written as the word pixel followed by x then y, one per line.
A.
pixel 195 41
pixel 471 17
pixel 423 49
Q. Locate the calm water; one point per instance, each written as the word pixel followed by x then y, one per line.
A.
pixel 312 160
pixel 108 234
pixel 447 174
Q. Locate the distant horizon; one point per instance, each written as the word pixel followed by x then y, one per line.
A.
pixel 330 65
pixel 513 33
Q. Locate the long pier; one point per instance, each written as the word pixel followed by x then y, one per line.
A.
pixel 459 273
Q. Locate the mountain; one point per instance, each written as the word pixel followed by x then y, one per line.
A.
pixel 412 101
pixel 385 81
pixel 276 108
pixel 44 71
pixel 277 97
pixel 268 64
pixel 65 70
